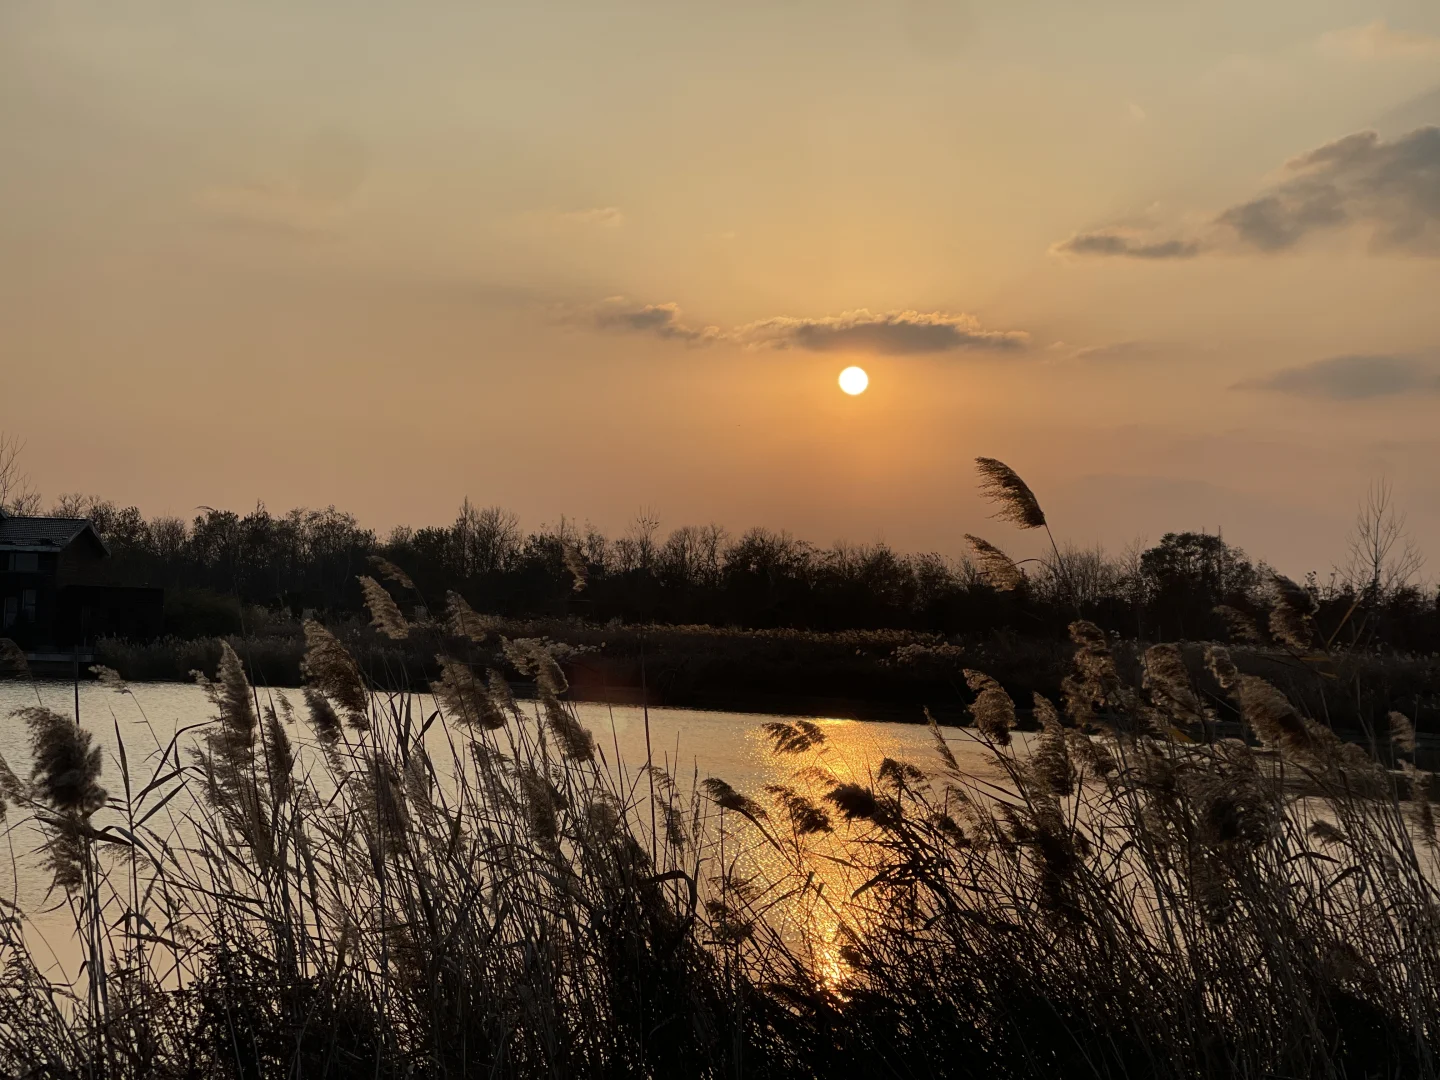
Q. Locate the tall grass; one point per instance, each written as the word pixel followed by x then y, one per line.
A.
pixel 464 885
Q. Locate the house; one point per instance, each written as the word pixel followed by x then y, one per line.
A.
pixel 58 588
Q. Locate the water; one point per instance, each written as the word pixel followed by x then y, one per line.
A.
pixel 692 745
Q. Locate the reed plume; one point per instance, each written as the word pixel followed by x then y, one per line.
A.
pixel 1014 500
pixel 1050 755
pixel 390 572
pixel 540 801
pixel 1271 716
pixel 794 737
pixel 1095 684
pixel 109 678
pixel 65 779
pixel 804 816
pixel 1241 626
pixel 997 568
pixel 575 564
pixel 332 671
pixel 66 768
pixel 1290 613
pixel 463 621
pixel 464 696
pixel 12 658
pixel 722 794
pixel 279 755
pixel 1222 666
pixel 323 720
pixel 12 791
pixel 531 656
pixel 1402 733
pixel 234 737
pixel 501 693
pixel 385 614
pixel 993 709
pixel 855 802
pixel 575 742
pixel 1168 681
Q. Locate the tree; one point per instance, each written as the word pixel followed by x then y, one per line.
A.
pixel 17 496
pixel 1381 558
pixel 1187 575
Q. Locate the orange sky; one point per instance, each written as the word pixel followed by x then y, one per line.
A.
pixel 578 258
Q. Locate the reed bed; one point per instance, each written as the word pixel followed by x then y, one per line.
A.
pixel 484 890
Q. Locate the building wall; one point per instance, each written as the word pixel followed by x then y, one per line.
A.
pixel 81 564
pixel 28 623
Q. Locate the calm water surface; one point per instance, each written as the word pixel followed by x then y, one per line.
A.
pixel 691 744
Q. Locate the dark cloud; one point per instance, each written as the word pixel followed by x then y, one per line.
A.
pixel 1393 187
pixel 1113 243
pixel 894 333
pixel 1353 378
pixel 661 320
pixel 1390 188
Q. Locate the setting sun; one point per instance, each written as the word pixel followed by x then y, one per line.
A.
pixel 853 380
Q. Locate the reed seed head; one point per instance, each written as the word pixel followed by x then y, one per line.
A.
pixel 993 709
pixel 1402 733
pixel 332 671
pixel 1290 613
pixel 385 614
pixel 463 621
pixel 390 572
pixel 997 568
pixel 66 771
pixel 1014 500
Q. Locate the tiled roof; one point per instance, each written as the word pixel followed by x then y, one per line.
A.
pixel 41 533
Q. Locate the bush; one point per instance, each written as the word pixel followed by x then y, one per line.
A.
pixel 199 613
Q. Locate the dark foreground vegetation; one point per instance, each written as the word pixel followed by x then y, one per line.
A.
pixel 482 891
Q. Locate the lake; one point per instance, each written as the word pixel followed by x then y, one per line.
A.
pixel 692 745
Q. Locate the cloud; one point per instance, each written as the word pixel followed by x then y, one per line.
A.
pixel 661 320
pixel 895 333
pixel 1353 378
pixel 1377 41
pixel 1115 243
pixel 1390 189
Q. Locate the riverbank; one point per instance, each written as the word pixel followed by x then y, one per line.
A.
pixel 891 675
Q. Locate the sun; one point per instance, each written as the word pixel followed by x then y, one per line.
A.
pixel 853 380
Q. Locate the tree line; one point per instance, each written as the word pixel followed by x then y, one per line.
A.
pixel 1189 585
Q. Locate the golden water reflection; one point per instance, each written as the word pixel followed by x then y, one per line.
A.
pixel 690 745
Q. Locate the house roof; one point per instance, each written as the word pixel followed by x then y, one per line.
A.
pixel 45 534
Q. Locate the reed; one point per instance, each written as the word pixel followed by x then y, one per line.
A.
pixel 474 888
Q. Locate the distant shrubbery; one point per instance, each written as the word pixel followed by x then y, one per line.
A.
pixel 307 561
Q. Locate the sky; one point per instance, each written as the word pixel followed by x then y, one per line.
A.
pixel 1176 263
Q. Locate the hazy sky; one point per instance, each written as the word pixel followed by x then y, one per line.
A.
pixel 1177 263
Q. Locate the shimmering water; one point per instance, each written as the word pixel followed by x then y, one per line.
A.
pixel 692 745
